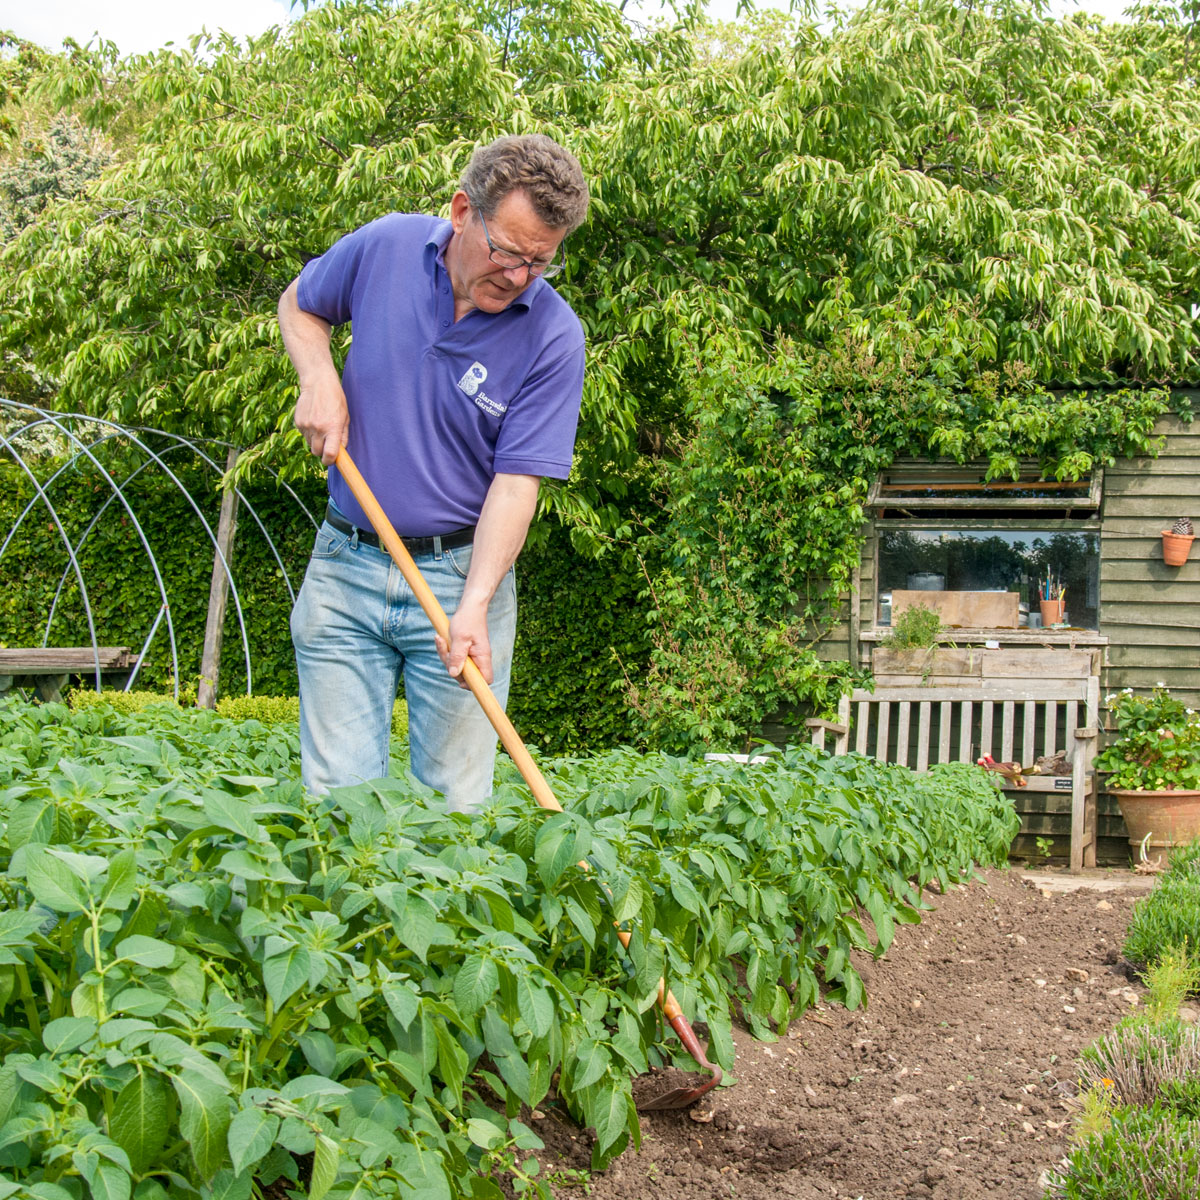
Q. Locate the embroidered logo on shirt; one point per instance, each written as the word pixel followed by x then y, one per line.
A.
pixel 470 383
pixel 476 374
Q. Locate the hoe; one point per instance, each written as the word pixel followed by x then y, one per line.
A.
pixel 679 1097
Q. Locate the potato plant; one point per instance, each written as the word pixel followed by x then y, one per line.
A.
pixel 211 981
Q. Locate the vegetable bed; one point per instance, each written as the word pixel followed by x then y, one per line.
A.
pixel 211 983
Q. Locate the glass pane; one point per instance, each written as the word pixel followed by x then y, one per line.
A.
pixel 1010 560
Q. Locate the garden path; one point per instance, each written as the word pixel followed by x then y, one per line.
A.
pixel 953 1084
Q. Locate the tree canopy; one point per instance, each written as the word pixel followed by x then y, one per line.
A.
pixel 929 228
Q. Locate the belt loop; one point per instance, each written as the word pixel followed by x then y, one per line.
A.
pixel 354 538
pixel 437 547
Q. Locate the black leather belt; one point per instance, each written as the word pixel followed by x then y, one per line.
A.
pixel 415 545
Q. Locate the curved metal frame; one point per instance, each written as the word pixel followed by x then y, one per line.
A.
pixel 137 436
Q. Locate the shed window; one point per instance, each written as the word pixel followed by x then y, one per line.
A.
pixel 945 532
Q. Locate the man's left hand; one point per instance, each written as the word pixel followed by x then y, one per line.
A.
pixel 468 638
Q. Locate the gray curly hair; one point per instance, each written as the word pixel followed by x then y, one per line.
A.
pixel 538 166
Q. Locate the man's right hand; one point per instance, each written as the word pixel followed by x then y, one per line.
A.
pixel 321 412
pixel 323 418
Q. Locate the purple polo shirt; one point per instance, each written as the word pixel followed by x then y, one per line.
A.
pixel 439 407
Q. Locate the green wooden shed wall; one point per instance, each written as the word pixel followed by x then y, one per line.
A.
pixel 1151 612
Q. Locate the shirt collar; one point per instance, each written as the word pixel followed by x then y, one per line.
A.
pixel 439 239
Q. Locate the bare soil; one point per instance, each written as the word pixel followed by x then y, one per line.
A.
pixel 952 1084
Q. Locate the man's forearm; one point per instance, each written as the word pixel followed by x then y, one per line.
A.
pixel 503 524
pixel 321 414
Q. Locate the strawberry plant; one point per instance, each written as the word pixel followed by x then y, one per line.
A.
pixel 211 982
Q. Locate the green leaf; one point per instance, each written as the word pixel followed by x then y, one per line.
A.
pixel 452 1060
pixel 284 974
pixel 231 813
pixel 121 885
pixel 424 1172
pixel 140 1120
pixel 475 983
pixel 33 821
pixel 485 1134
pixel 228 1186
pixel 535 1005
pixel 419 928
pixel 53 883
pixel 324 1168
pixel 628 899
pixel 111 1183
pixel 563 839
pixel 402 1000
pixel 42 1073
pixel 246 865
pixel 67 1033
pixel 48 1191
pixel 86 867
pixel 609 1113
pixel 145 951
pixel 251 1135
pixel 17 926
pixel 591 1061
pixel 204 1120
pixel 140 1002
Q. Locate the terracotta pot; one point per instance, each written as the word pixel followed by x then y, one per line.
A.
pixel 1052 612
pixel 1171 817
pixel 1176 547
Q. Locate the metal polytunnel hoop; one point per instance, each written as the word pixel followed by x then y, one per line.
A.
pixel 76 442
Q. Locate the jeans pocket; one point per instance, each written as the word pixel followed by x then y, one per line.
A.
pixel 330 542
pixel 460 560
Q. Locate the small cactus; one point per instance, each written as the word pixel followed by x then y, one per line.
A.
pixel 1182 527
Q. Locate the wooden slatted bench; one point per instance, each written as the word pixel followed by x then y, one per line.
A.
pixel 48 668
pixel 1010 718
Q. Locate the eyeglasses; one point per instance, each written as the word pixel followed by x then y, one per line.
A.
pixel 511 262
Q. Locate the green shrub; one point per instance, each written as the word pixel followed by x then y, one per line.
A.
pixel 916 628
pixel 1182 1096
pixel 1168 919
pixel 82 698
pixel 270 710
pixel 1145 1152
pixel 1139 1056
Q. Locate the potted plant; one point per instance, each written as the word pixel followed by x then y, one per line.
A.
pixel 1177 542
pixel 1154 765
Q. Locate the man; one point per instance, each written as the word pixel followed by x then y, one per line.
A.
pixel 460 391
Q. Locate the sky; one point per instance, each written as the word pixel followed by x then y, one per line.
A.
pixel 138 26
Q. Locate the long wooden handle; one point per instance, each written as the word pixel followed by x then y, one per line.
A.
pixel 472 675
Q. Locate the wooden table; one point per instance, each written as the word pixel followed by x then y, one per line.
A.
pixel 49 668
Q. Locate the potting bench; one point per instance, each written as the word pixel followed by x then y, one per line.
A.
pixel 959 705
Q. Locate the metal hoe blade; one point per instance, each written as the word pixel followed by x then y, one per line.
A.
pixel 683 1097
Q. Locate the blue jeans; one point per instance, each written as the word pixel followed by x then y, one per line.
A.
pixel 356 626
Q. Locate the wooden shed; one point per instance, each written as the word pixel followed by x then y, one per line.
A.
pixel 972 547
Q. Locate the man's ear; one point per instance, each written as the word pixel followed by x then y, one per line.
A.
pixel 460 210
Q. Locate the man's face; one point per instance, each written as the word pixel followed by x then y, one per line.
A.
pixel 477 281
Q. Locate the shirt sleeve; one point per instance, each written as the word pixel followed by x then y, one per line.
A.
pixel 537 436
pixel 326 287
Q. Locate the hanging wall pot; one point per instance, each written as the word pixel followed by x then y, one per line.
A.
pixel 1177 542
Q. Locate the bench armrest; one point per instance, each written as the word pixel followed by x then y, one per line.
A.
pixel 827 726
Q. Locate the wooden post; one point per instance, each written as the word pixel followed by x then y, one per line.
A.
pixel 218 594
